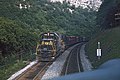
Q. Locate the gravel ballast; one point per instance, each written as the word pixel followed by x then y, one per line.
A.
pixel 86 64
pixel 56 68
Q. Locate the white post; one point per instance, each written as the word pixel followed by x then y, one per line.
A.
pixel 99 51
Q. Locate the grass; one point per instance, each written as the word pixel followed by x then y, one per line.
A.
pixel 8 70
pixel 12 65
pixel 110 45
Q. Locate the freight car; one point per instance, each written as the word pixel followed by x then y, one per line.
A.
pixel 71 40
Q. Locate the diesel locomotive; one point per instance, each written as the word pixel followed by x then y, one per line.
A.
pixel 52 44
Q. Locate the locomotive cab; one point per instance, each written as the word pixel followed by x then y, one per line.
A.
pixel 46 50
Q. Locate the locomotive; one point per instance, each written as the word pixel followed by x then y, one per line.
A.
pixel 52 44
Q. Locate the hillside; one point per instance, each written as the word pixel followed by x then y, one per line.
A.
pixel 110 45
pixel 35 17
pixel 22 22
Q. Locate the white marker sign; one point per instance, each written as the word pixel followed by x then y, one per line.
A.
pixel 99 52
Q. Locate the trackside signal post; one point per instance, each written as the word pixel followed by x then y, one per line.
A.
pixel 99 51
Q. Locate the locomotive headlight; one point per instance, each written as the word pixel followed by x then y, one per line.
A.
pixel 53 57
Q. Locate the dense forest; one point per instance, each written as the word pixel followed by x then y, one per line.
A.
pixel 21 22
pixel 106 14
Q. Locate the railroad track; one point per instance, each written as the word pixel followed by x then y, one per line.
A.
pixel 35 72
pixel 73 63
pixel 41 72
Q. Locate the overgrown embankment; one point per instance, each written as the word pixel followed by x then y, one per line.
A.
pixel 110 45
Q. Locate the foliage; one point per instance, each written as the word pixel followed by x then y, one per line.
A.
pixel 106 13
pixel 20 28
pixel 15 39
pixel 8 70
pixel 109 40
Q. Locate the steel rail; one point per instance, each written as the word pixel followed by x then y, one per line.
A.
pixel 40 73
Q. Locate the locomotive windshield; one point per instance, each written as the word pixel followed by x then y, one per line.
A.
pixel 49 36
pixel 47 45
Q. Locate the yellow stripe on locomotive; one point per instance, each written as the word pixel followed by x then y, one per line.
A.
pixel 46 47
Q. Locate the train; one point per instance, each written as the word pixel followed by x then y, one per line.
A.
pixel 52 44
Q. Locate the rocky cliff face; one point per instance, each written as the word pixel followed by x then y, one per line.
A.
pixel 94 4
